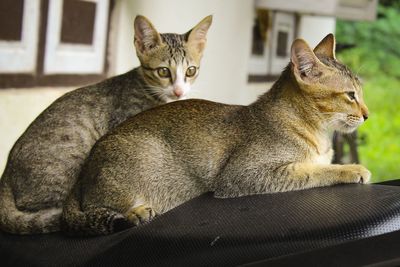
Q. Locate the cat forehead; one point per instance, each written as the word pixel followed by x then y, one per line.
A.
pixel 348 78
pixel 341 68
pixel 174 40
pixel 173 50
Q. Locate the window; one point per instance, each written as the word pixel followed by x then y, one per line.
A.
pixel 273 33
pixel 19 22
pixel 53 42
pixel 282 48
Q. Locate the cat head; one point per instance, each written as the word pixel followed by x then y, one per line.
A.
pixel 335 90
pixel 170 62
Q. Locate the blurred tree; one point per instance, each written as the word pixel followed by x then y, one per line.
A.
pixel 376 44
pixel 389 2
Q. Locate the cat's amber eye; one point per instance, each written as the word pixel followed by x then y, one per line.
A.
pixel 351 95
pixel 163 72
pixel 191 71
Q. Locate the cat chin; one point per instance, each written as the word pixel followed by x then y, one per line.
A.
pixel 172 99
pixel 346 131
pixel 345 128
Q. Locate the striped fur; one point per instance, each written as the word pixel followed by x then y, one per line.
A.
pixel 46 160
pixel 170 154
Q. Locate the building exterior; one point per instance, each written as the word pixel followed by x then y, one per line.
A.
pixel 48 47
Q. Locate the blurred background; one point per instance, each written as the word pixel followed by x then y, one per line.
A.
pixel 48 47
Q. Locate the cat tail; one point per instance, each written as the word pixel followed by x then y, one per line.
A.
pixel 94 221
pixel 22 222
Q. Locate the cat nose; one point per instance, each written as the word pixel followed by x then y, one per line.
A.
pixel 364 112
pixel 178 92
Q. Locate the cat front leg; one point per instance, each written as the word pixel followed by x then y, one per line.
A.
pixel 288 177
pixel 297 176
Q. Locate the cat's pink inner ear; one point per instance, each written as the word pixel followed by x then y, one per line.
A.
pixel 198 35
pixel 303 58
pixel 326 47
pixel 146 36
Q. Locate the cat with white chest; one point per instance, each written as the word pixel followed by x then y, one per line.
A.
pixel 44 163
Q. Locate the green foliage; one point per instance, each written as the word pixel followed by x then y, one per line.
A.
pixel 376 58
pixel 381 149
pixel 377 43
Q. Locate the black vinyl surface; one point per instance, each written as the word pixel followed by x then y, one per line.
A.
pixel 227 232
pixel 381 250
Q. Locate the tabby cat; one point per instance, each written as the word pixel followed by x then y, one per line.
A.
pixel 45 162
pixel 165 156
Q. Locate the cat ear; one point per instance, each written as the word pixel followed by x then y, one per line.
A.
pixel 196 37
pixel 304 61
pixel 146 36
pixel 327 46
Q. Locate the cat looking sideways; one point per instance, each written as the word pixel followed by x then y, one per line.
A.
pixel 165 156
pixel 44 163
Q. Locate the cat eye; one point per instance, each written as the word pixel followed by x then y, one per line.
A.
pixel 351 95
pixel 191 71
pixel 163 72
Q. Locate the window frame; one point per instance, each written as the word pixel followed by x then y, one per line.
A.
pixel 38 77
pixel 267 67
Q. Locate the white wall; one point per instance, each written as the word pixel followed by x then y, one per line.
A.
pixel 314 28
pixel 223 75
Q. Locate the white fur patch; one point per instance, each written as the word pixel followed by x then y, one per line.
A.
pixel 138 202
pixel 48 215
pixel 324 158
pixel 179 85
pixel 325 151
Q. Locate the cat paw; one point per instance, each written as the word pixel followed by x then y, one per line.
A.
pixel 140 215
pixel 358 174
pixel 120 223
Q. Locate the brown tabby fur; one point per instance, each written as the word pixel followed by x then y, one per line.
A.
pixel 167 155
pixel 46 160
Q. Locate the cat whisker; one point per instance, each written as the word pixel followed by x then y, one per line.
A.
pixel 156 91
pixel 154 87
pixel 335 113
pixel 333 121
